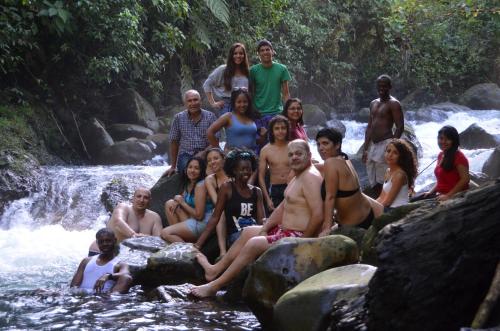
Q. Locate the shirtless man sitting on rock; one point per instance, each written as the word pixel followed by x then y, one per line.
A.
pixel 299 215
pixel 130 221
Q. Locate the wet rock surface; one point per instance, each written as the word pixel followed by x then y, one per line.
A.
pixel 482 96
pixel 492 165
pixel 289 262
pixel 308 306
pixel 126 152
pixel 125 131
pixel 475 137
pixel 20 175
pixel 435 265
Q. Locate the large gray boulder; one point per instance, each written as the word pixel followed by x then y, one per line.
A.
pixel 289 262
pixel 125 131
pixel 130 107
pixel 337 125
pixel 308 305
pixel 434 113
pixel 96 137
pixel 126 152
pixel 113 193
pixel 492 166
pixel 175 264
pixel 20 175
pixel 163 190
pixel 313 115
pixel 482 96
pixel 435 266
pixel 161 141
pixel 475 137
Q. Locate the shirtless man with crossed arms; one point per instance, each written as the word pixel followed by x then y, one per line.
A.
pixel 299 215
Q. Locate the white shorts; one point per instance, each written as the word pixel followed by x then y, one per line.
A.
pixel 375 162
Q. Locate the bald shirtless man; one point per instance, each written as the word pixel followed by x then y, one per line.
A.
pixel 299 215
pixel 385 112
pixel 129 221
pixel 275 157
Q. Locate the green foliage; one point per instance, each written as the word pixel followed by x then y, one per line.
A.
pixel 334 49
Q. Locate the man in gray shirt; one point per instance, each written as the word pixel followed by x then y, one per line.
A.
pixel 188 132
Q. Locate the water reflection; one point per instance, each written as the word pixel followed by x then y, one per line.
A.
pixel 69 311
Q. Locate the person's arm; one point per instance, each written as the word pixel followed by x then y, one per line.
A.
pixel 214 104
pixel 78 276
pixel 285 93
pixel 331 188
pixel 118 222
pixel 174 136
pixel 214 79
pixel 200 198
pixel 274 219
pixel 260 207
pixel 122 270
pixel 398 180
pixel 262 176
pixel 463 173
pixel 397 115
pixel 214 219
pixel 215 127
pixel 368 134
pixel 157 226
pixel 210 187
pixel 312 193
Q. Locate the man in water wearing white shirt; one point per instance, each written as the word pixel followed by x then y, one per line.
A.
pixel 103 273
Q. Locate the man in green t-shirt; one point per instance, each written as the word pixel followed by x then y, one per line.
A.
pixel 269 83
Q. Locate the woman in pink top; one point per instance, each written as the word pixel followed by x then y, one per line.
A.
pixel 452 169
pixel 293 111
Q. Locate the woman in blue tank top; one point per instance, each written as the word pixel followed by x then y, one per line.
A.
pixel 188 213
pixel 241 202
pixel 241 131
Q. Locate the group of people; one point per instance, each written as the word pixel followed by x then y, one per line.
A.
pixel 266 144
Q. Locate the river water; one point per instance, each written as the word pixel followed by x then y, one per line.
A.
pixel 44 237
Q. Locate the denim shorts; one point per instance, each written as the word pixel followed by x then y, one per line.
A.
pixel 197 227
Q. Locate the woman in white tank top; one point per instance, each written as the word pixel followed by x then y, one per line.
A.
pixel 400 175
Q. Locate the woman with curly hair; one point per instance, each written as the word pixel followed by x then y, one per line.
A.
pixel 400 175
pixel 241 202
pixel 226 78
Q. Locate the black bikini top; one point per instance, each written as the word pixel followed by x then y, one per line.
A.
pixel 340 193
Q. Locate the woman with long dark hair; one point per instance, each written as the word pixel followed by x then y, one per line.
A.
pixel 400 174
pixel 241 130
pixel 293 111
pixel 188 213
pixel 452 168
pixel 340 189
pixel 226 78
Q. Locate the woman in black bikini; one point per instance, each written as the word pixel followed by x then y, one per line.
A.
pixel 340 189
pixel 241 202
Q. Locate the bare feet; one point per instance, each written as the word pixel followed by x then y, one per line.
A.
pixel 210 272
pixel 203 291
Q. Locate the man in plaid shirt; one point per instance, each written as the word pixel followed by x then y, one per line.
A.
pixel 188 132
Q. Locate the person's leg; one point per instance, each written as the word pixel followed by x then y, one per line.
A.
pixel 123 284
pixel 221 235
pixel 213 270
pixel 180 232
pixel 252 249
pixel 182 160
pixel 170 212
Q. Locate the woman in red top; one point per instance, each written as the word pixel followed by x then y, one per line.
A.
pixel 452 169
